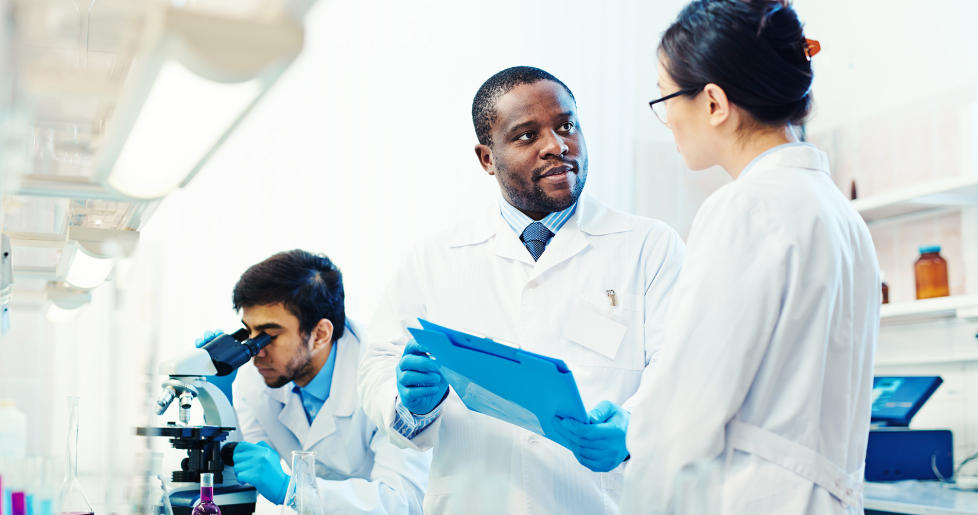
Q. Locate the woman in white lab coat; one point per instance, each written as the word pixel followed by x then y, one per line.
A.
pixel 761 398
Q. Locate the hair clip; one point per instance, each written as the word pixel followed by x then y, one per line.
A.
pixel 812 47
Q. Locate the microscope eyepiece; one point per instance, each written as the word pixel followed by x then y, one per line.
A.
pixel 256 344
pixel 230 351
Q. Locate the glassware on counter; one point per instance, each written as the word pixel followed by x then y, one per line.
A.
pixel 884 289
pixel 205 505
pixel 930 272
pixel 147 492
pixel 42 485
pixel 71 499
pixel 302 496
pixel 13 445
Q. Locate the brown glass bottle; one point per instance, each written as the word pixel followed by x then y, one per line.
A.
pixel 884 289
pixel 930 271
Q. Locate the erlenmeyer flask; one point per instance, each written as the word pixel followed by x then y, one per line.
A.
pixel 71 499
pixel 302 496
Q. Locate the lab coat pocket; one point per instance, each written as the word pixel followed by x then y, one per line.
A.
pixel 588 326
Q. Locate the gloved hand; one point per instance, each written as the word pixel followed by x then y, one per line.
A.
pixel 419 382
pixel 599 444
pixel 258 465
pixel 222 382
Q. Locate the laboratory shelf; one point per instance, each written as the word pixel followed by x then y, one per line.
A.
pixel 950 192
pixel 919 498
pixel 958 306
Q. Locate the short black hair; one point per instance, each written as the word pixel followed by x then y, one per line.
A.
pixel 309 285
pixel 753 49
pixel 484 103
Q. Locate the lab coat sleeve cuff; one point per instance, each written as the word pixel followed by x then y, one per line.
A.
pixel 408 424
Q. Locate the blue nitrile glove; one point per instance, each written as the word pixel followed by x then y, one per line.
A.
pixel 419 382
pixel 600 444
pixel 258 465
pixel 222 382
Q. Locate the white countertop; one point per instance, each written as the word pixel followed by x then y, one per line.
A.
pixel 919 498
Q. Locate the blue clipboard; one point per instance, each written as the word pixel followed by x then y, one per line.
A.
pixel 513 385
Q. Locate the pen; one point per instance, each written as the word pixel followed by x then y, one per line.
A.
pixel 612 298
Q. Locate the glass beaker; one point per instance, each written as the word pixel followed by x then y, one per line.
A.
pixel 71 499
pixel 302 496
pixel 147 491
pixel 42 485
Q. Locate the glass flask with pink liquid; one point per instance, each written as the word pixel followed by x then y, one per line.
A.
pixel 205 505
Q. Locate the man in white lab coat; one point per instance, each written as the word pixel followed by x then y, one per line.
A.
pixel 301 394
pixel 553 272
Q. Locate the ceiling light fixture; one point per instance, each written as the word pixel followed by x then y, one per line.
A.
pixel 198 77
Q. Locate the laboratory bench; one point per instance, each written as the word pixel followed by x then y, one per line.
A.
pixel 918 498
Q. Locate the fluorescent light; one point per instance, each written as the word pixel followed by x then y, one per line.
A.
pixel 196 75
pixel 59 315
pixel 85 270
pixel 183 118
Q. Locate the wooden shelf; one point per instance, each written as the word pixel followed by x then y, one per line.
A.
pixel 960 306
pixel 950 192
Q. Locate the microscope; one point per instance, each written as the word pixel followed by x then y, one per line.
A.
pixel 209 447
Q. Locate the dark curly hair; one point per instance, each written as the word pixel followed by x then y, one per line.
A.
pixel 309 285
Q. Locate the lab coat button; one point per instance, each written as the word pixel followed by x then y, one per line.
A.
pixel 533 440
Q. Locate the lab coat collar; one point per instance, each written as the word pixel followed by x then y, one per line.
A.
pixel 789 155
pixel 343 390
pixel 342 401
pixel 591 217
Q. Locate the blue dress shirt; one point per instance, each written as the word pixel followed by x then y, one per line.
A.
pixel 314 394
pixel 518 221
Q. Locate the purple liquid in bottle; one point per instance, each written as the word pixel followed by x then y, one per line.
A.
pixel 206 506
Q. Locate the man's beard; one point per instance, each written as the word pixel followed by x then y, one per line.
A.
pixel 299 365
pixel 529 196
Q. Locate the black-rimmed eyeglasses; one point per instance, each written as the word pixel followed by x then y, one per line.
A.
pixel 659 105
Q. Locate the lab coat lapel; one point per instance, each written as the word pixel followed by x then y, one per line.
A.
pixel 567 243
pixel 490 225
pixel 342 392
pixel 293 415
pixel 508 244
pixel 590 219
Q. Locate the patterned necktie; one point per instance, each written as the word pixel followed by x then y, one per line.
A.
pixel 535 237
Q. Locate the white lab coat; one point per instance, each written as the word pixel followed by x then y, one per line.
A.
pixel 479 277
pixel 766 376
pixel 360 470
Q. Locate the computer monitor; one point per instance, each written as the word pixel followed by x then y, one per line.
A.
pixel 896 399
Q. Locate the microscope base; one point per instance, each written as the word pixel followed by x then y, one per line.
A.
pixel 233 500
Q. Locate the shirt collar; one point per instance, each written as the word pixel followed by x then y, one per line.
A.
pixel 319 387
pixel 518 221
pixel 589 215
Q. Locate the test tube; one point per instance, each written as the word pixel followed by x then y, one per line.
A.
pixel 15 485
